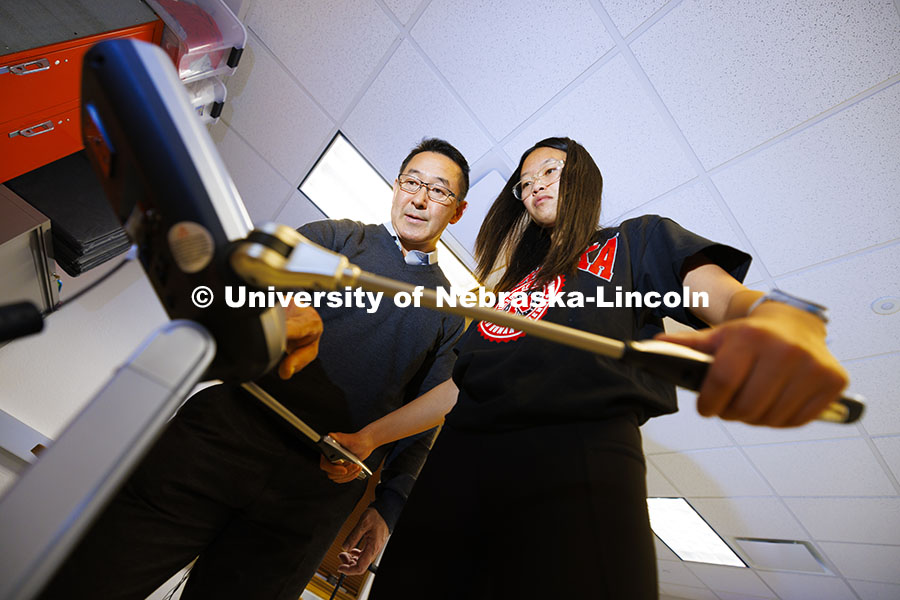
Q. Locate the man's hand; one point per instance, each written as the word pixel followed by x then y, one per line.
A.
pixel 771 368
pixel 364 543
pixel 304 327
pixel 359 444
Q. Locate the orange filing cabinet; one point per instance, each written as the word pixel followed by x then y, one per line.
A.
pixel 42 45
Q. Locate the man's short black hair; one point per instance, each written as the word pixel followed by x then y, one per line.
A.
pixel 440 146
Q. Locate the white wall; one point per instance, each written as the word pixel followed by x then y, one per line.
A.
pixel 47 378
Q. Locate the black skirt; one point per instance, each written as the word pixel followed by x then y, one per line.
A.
pixel 556 510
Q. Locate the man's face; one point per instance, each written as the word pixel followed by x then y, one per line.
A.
pixel 418 220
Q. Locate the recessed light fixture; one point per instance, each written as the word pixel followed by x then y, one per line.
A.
pixel 685 532
pixel 886 305
pixel 343 185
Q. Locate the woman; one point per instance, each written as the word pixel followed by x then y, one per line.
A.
pixel 536 485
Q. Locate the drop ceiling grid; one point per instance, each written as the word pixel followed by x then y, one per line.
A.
pixel 787 203
pixel 874 520
pixel 877 372
pixel 386 122
pixel 730 579
pixel 506 63
pixel 628 15
pixel 402 9
pixel 877 378
pixel 843 467
pixel 676 572
pixel 679 592
pixel 629 140
pixel 797 586
pixel 274 114
pixel 332 47
pixel 714 473
pixel 628 52
pixel 694 207
pixel 866 562
pixel 848 286
pixel 261 187
pixel 764 67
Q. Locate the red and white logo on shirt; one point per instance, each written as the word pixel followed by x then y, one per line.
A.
pixel 530 310
pixel 597 260
pixel 600 263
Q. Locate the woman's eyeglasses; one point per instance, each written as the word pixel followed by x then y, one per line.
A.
pixel 548 174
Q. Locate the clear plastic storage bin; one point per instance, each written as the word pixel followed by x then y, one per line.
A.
pixel 203 37
pixel 207 97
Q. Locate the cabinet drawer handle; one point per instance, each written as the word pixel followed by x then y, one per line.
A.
pixel 32 131
pixel 42 64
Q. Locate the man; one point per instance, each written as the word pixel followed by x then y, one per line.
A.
pixel 232 484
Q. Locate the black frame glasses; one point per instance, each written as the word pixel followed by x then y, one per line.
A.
pixel 435 193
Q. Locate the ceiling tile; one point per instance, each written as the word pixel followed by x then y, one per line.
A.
pixel 685 592
pixel 736 74
pixel 298 211
pixel 873 520
pixel 629 14
pixel 878 379
pixel 662 551
pixel 684 430
pixel 848 287
pixel 261 187
pixel 817 430
pixel 7 478
pixel 387 123
pixel 657 485
pixel 504 58
pixel 749 517
pixel 786 196
pixel 611 115
pixel 712 473
pixel 822 468
pixel 403 9
pixel 869 590
pixel 864 561
pixel 274 115
pixel 889 447
pixel 693 207
pixel 730 579
pixel 332 48
pixel 794 586
pixel 479 199
pixel 670 571
pixel 733 596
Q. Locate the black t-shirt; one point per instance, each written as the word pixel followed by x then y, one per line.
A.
pixel 508 379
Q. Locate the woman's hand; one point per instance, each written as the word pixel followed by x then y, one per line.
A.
pixel 771 368
pixel 360 444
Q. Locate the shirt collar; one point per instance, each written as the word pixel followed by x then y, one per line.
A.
pixel 412 257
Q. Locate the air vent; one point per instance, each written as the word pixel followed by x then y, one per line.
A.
pixel 781 555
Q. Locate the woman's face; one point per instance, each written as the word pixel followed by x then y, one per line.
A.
pixel 541 199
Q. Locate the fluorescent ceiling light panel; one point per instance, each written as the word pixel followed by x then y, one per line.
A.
pixel 685 532
pixel 343 185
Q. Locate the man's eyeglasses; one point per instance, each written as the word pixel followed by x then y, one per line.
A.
pixel 436 193
pixel 549 174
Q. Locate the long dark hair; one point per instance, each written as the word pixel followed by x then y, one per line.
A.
pixel 508 228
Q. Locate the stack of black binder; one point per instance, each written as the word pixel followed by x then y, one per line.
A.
pixel 85 230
